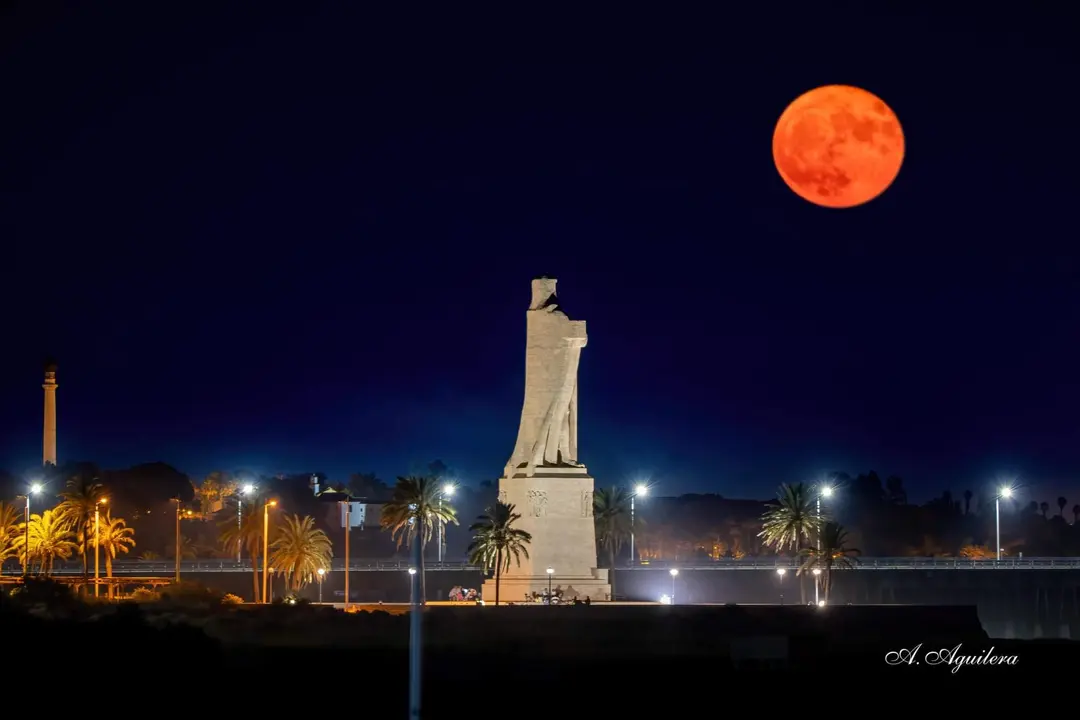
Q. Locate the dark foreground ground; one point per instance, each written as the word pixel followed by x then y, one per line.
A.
pixel 571 660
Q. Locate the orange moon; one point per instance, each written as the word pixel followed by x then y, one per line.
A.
pixel 838 146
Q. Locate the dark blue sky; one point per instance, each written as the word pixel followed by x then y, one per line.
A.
pixel 298 242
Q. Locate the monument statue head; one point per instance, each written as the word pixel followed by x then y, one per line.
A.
pixel 50 366
pixel 543 292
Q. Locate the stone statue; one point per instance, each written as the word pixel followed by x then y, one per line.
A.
pixel 547 436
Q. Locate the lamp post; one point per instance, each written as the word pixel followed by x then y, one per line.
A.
pixel 34 490
pixel 1005 492
pixel 348 523
pixel 248 489
pixel 320 572
pixel 97 544
pixel 674 574
pixel 447 491
pixel 266 544
pixel 826 492
pixel 550 572
pixel 415 633
pixel 781 572
pixel 642 490
pixel 177 541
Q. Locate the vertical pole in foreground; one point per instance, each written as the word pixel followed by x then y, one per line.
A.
pixel 177 540
pixel 26 539
pixel 415 639
pixel 631 530
pixel 997 523
pixel 817 598
pixel 348 522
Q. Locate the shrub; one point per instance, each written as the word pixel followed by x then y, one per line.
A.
pixel 143 595
pixel 231 599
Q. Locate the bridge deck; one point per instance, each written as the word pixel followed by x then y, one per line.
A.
pixel 153 568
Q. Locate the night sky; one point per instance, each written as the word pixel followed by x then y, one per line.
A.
pixel 304 242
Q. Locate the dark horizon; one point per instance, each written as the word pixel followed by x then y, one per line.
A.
pixel 304 243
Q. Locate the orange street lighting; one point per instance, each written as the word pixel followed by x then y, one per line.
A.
pixel 266 544
pixel 97 543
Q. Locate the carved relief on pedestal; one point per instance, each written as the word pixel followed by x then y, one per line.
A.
pixel 586 503
pixel 538 503
pixel 502 496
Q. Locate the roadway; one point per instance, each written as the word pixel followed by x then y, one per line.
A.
pixel 148 568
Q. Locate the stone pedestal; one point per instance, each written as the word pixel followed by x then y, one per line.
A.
pixel 556 508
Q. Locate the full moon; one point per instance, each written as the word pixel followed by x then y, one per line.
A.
pixel 838 146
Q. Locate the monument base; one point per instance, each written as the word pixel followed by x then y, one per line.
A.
pixel 517 588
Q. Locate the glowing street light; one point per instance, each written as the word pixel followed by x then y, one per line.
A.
pixel 321 572
pixel 266 546
pixel 448 491
pixel 674 572
pixel 97 543
pixel 35 488
pixel 781 572
pixel 825 492
pixel 550 572
pixel 412 571
pixel 643 490
pixel 1005 492
pixel 247 489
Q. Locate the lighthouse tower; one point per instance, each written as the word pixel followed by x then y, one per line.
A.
pixel 48 449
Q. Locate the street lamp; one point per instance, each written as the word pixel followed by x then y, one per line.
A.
pixel 248 489
pixel 447 491
pixel 97 543
pixel 320 572
pixel 674 574
pixel 550 572
pixel 643 490
pixel 1005 492
pixel 34 490
pixel 826 492
pixel 177 545
pixel 781 572
pixel 266 544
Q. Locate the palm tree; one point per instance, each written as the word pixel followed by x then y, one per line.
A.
pixel 1076 514
pixel 114 537
pixel 791 520
pixel 497 542
pixel 416 507
pixel 249 536
pixel 1044 507
pixel 10 520
pixel 1061 503
pixel 833 553
pixel 77 503
pixel 299 550
pixel 611 518
pixel 50 540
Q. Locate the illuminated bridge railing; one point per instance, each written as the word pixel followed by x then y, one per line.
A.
pixel 168 567
pixel 150 568
pixel 874 563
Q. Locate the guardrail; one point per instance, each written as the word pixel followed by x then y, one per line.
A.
pixel 873 563
pixel 165 567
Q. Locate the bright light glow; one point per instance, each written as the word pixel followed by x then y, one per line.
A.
pixel 665 599
pixel 821 603
pixel 35 489
pixel 674 572
pixel 817 571
pixel 1006 492
pixel 449 489
pixel 321 572
pixel 551 571
pixel 103 501
pixel 247 489
pixel 412 571
pixel 641 490
pixel 781 571
pixel 272 503
pixel 826 491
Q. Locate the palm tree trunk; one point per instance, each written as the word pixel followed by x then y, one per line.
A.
pixel 611 572
pixel 498 573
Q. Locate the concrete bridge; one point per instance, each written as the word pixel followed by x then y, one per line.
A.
pixel 151 568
